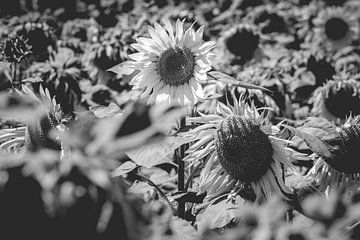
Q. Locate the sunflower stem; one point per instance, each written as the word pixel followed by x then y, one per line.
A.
pixel 151 183
pixel 181 172
pixel 16 84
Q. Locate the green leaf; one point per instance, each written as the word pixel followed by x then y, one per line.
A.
pixel 156 153
pixel 314 143
pixel 105 111
pixel 217 215
pixel 124 168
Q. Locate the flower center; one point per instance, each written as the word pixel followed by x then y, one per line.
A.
pixel 346 155
pixel 176 66
pixel 342 102
pixel 322 69
pixel 243 44
pixel 296 236
pixel 244 151
pixel 336 28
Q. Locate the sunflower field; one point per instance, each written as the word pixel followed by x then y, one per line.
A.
pixel 180 120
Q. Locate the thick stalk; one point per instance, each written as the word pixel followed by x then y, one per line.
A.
pixel 181 172
pixel 15 81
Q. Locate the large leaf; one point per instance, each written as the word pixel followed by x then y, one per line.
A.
pixel 156 153
pixel 105 111
pixel 124 168
pixel 217 215
pixel 314 143
pixel 319 127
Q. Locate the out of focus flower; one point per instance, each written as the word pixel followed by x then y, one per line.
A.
pixel 86 30
pixel 336 27
pixel 337 99
pixel 298 232
pixel 69 198
pixel 36 133
pixel 171 64
pixel 239 44
pixel 239 148
pixel 61 75
pixel 14 49
pixel 98 95
pixel 39 36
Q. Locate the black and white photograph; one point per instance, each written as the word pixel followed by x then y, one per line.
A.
pixel 180 120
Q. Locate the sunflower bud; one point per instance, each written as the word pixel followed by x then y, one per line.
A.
pixel 244 151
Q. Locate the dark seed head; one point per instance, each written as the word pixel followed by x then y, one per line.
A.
pixel 346 155
pixel 336 28
pixel 343 102
pixel 243 43
pixel 245 151
pixel 296 236
pixel 14 49
pixel 176 66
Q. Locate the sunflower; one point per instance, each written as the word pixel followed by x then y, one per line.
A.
pixel 339 169
pixel 336 27
pixel 292 232
pixel 35 133
pixel 170 64
pixel 337 99
pixel 240 148
pixel 240 44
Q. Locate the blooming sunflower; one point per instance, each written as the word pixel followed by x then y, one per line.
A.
pixel 338 166
pixel 240 148
pixel 240 43
pixel 336 27
pixel 337 99
pixel 170 64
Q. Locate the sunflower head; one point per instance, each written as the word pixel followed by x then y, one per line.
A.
pixel 170 65
pixel 14 49
pixel 241 42
pixel 244 150
pixel 336 27
pixel 39 36
pixel 345 153
pixel 322 69
pixel 241 150
pixel 337 99
pixel 335 150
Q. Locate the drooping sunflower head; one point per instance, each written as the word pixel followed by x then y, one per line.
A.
pixel 345 155
pixel 171 64
pixel 241 42
pixel 336 27
pixel 238 147
pixel 338 166
pixel 337 99
pixel 237 144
